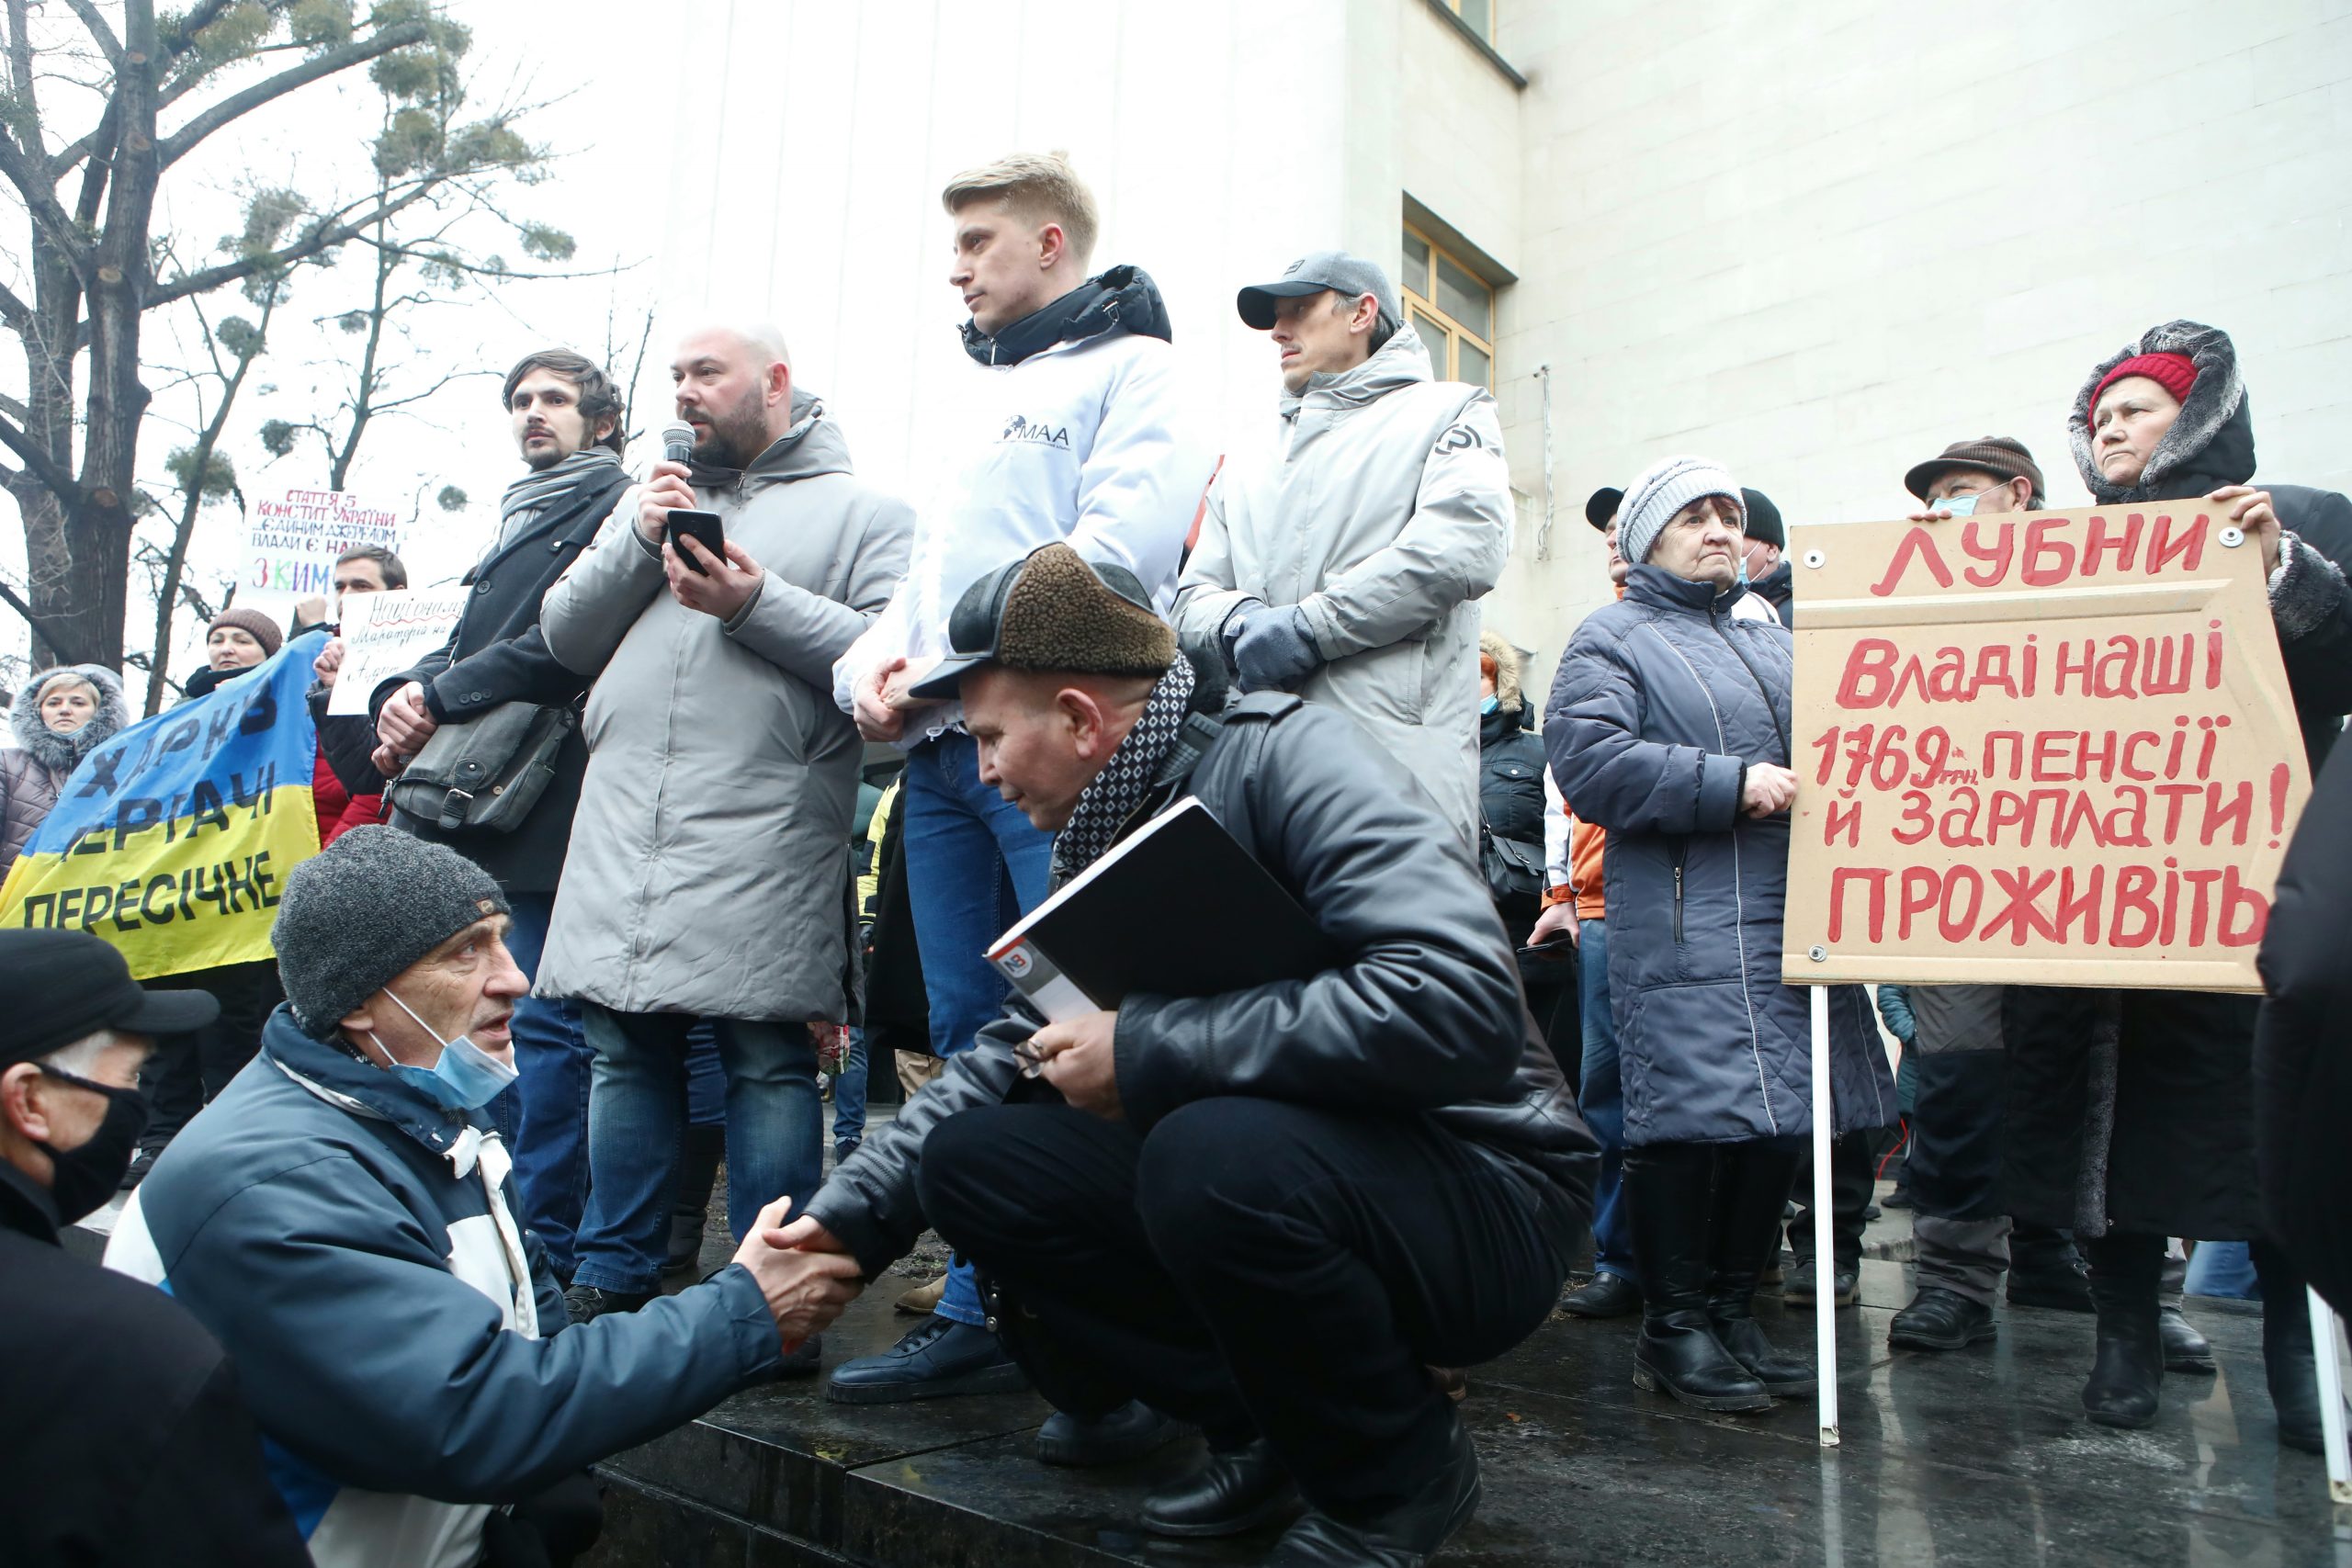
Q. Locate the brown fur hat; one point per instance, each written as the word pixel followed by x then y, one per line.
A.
pixel 1053 610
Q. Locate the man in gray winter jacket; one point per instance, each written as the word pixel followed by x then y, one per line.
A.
pixel 708 874
pixel 1347 571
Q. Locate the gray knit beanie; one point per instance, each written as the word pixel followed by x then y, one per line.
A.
pixel 363 908
pixel 1664 489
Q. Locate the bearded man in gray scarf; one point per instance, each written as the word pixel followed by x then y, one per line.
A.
pixel 565 414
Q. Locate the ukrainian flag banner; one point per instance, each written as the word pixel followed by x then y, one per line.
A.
pixel 172 839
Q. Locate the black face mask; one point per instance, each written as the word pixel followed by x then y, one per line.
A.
pixel 83 1179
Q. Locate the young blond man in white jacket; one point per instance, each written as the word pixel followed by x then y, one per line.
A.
pixel 1083 446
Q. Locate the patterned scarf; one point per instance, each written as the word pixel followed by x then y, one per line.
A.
pixel 1104 805
pixel 540 486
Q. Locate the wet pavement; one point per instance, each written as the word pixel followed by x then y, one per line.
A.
pixel 1976 1457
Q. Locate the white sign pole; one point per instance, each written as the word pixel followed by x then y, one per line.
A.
pixel 2331 1399
pixel 1824 1261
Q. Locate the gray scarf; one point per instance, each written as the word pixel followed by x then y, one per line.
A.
pixel 1104 805
pixel 540 486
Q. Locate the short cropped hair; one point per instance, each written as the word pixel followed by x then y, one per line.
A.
pixel 599 399
pixel 395 574
pixel 1038 186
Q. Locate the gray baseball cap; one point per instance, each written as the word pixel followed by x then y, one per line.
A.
pixel 1313 274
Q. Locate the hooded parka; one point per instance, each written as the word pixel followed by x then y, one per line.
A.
pixel 2133 1110
pixel 1384 518
pixel 1660 703
pixel 36 769
pixel 708 866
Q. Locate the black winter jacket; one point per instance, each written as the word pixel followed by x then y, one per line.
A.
pixel 1423 1018
pixel 496 655
pixel 127 1443
pixel 1510 777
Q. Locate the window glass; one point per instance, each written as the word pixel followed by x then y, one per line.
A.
pixel 1434 337
pixel 1475 366
pixel 1478 15
pixel 1417 263
pixel 1465 298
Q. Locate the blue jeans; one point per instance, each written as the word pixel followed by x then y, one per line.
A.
pixel 638 1111
pixel 545 1115
pixel 849 1095
pixel 706 1076
pixel 2223 1269
pixel 1602 1101
pixel 974 866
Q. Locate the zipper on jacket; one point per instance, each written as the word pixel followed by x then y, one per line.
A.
pixel 1681 848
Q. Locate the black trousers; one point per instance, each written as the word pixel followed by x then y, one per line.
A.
pixel 184 1071
pixel 1252 1265
pixel 1853 1170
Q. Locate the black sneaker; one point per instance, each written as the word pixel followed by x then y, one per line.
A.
pixel 940 1357
pixel 587 1302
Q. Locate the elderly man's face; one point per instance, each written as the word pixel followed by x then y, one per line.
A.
pixel 1993 495
pixel 43 1108
pixel 1618 564
pixel 1041 736
pixel 466 985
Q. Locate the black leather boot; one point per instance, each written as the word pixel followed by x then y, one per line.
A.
pixel 2287 1362
pixel 2129 1371
pixel 1751 1186
pixel 2186 1351
pixel 1670 1194
pixel 1236 1491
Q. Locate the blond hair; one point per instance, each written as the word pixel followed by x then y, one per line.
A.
pixel 1037 186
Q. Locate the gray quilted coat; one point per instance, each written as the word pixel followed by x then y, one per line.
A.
pixel 707 871
pixel 36 769
pixel 1660 702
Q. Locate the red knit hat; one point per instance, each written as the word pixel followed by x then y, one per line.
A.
pixel 2175 373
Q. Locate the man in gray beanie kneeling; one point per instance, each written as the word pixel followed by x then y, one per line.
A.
pixel 341 1218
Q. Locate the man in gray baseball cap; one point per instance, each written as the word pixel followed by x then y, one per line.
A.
pixel 1346 569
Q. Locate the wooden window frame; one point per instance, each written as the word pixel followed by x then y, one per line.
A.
pixel 1420 294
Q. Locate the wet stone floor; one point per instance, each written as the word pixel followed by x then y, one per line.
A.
pixel 1977 1457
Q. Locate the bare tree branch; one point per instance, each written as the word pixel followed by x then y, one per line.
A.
pixel 100 30
pixel 323 236
pixel 54 479
pixel 357 52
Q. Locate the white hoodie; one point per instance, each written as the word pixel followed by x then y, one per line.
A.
pixel 1086 450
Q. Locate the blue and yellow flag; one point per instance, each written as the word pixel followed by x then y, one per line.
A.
pixel 172 839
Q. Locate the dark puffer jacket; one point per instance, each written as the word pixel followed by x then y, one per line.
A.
pixel 32 777
pixel 1661 702
pixel 1511 758
pixel 1422 1017
pixel 2133 1110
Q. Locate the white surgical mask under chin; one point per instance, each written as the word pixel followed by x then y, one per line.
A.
pixel 1959 506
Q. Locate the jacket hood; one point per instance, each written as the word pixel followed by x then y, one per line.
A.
pixel 1509 697
pixel 63 753
pixel 812 446
pixel 2209 444
pixel 1120 297
pixel 345 1081
pixel 1401 362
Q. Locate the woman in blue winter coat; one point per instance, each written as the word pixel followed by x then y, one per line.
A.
pixel 1668 726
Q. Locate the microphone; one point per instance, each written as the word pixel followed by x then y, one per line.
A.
pixel 678 441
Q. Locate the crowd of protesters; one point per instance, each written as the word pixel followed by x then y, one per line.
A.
pixel 453 1137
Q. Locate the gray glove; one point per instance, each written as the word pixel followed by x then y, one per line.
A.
pixel 1272 651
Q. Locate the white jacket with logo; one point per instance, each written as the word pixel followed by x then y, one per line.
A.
pixel 1085 447
pixel 1384 518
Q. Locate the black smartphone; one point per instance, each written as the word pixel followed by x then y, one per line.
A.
pixel 703 528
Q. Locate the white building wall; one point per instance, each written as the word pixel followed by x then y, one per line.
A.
pixel 1821 242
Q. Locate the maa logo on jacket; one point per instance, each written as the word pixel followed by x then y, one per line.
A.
pixel 1019 428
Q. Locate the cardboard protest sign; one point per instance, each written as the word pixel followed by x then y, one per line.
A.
pixel 2052 748
pixel 293 537
pixel 384 634
pixel 172 840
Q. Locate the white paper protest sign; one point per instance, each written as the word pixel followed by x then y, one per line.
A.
pixel 293 537
pixel 384 634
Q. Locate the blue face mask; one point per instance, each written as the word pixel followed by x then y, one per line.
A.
pixel 1489 704
pixel 1742 578
pixel 1958 505
pixel 466 1077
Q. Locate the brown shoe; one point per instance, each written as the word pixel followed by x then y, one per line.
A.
pixel 922 1299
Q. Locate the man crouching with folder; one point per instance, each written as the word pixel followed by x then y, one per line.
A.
pixel 1268 1212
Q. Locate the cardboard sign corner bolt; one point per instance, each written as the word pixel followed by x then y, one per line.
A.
pixel 2050 747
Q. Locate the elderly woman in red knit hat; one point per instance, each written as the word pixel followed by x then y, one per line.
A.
pixel 2131 1112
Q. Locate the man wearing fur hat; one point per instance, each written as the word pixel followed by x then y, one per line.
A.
pixel 1266 1212
pixel 1348 570
pixel 342 1219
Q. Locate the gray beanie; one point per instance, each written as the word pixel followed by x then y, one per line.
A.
pixel 363 908
pixel 1663 490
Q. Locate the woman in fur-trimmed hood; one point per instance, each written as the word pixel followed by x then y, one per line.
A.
pixel 2131 1113
pixel 58 719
